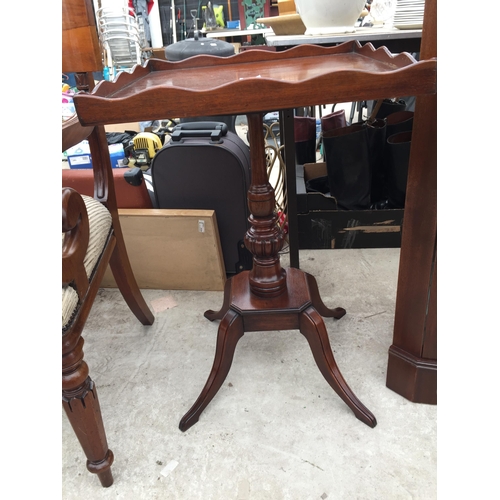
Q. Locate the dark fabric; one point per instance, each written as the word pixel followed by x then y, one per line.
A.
pixel 120 138
pixel 401 121
pixel 305 152
pixel 388 107
pixel 398 154
pixel 305 139
pixel 318 185
pixel 376 136
pixel 348 165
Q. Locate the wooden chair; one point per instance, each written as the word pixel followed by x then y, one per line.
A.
pixel 92 239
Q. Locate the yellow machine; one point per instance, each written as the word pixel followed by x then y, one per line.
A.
pixel 146 145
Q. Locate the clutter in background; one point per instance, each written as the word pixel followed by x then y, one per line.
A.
pixel 68 107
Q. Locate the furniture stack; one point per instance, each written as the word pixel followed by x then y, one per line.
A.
pixel 120 39
pixel 409 14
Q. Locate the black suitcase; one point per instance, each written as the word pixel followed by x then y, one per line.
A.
pixel 206 166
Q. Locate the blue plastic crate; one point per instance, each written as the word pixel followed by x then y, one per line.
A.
pixel 79 156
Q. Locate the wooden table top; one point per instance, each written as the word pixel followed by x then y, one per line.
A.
pixel 255 81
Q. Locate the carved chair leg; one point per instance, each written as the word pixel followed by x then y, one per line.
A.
pixel 79 400
pixel 127 284
pixel 314 330
pixel 230 332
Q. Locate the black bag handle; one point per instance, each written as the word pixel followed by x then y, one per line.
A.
pixel 214 130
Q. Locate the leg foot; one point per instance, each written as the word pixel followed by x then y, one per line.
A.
pixel 318 304
pixel 84 414
pixel 230 331
pixel 213 315
pixel 102 469
pixel 314 330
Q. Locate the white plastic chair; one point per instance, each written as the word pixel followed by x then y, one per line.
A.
pixel 120 39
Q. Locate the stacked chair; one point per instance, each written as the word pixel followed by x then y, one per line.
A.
pixel 120 37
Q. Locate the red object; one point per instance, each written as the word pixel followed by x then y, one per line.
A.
pixel 283 223
pixel 127 196
pixel 150 5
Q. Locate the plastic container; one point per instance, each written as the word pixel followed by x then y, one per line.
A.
pixel 79 156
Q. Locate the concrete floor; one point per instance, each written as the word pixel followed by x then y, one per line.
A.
pixel 275 430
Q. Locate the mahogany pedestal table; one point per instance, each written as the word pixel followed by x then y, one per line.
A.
pixel 269 297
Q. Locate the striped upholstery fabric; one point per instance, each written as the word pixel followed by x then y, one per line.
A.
pixel 99 227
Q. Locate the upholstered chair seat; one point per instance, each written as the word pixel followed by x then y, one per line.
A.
pixel 100 223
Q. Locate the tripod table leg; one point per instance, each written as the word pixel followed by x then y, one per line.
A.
pixel 230 332
pixel 314 330
pixel 317 302
pixel 213 315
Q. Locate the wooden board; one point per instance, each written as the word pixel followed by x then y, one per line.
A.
pixel 121 127
pixel 286 7
pixel 172 249
pixel 286 24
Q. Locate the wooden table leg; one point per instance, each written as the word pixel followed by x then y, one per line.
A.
pixel 230 331
pixel 314 330
pixel 270 298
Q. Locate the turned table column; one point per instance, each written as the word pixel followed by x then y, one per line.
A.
pixel 264 239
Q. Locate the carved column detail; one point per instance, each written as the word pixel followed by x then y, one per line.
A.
pixel 264 239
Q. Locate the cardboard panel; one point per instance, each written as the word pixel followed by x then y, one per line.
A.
pixel 121 127
pixel 172 249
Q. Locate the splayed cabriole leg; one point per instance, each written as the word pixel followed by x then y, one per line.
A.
pixel 213 315
pixel 314 330
pixel 268 298
pixel 317 302
pixel 79 400
pixel 230 331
